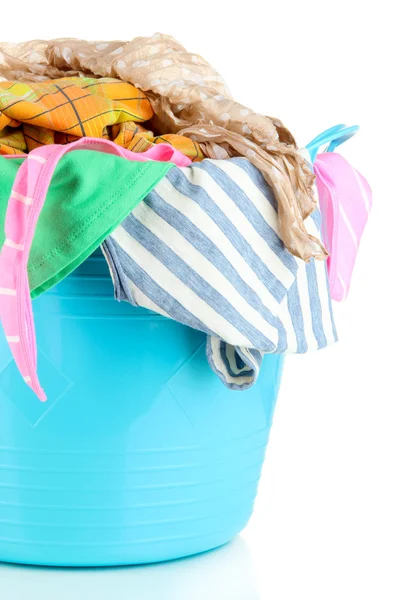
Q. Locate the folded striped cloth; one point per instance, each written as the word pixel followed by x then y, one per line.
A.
pixel 203 248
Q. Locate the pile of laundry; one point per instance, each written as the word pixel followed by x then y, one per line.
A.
pixel 206 212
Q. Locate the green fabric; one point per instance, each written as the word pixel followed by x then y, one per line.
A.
pixel 90 194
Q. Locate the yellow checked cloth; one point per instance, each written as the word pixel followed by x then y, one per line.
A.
pixel 63 110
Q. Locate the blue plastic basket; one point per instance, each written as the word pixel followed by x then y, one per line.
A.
pixel 140 454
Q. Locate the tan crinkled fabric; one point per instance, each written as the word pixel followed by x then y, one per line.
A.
pixel 189 97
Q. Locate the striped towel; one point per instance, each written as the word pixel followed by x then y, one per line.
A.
pixel 203 248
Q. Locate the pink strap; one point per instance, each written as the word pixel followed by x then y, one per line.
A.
pixel 24 207
pixel 160 152
pixel 345 201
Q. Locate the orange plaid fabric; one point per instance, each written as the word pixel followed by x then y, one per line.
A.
pixel 63 110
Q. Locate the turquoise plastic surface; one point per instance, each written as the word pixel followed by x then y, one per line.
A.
pixel 140 454
pixel 332 138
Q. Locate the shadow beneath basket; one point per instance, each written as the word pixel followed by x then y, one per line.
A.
pixel 223 574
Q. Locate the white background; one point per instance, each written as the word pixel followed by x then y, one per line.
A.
pixel 329 518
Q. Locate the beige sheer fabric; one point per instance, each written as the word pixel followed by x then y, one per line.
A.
pixel 190 98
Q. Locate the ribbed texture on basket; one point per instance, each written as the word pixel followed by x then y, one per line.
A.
pixel 140 454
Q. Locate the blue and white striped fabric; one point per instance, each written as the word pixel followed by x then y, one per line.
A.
pixel 203 248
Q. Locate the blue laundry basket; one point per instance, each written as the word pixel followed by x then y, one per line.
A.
pixel 140 454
